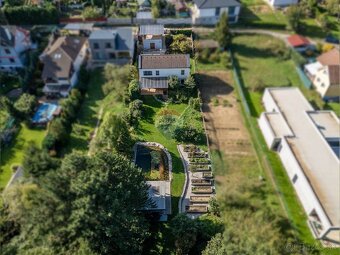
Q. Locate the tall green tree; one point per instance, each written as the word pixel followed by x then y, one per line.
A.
pixel 294 16
pixel 332 7
pixel 90 205
pixel 37 162
pixel 25 105
pixel 222 32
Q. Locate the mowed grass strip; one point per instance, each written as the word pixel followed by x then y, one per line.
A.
pixel 13 154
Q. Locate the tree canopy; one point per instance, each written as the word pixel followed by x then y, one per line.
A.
pixel 222 32
pixel 91 204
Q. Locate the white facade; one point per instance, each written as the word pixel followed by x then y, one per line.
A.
pixel 320 78
pixel 280 3
pixel 211 15
pixel 181 73
pixel 301 135
pixel 11 56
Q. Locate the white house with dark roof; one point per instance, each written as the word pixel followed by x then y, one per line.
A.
pixel 151 38
pixel 155 69
pixel 208 12
pixel 111 46
pixel 62 60
pixel 14 42
pixel 307 142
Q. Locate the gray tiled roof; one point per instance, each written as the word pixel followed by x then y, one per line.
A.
pixel 206 4
pixel 164 61
pixel 151 30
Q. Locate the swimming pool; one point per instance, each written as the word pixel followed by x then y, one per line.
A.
pixel 44 113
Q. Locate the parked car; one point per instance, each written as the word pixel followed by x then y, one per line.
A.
pixel 332 39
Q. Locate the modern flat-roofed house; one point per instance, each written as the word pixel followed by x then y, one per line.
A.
pixel 14 41
pixel 151 38
pixel 62 60
pixel 111 46
pixel 154 71
pixel 307 141
pixel 325 75
pixel 208 12
pixel 282 3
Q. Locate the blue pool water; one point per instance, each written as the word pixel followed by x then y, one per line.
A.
pixel 44 113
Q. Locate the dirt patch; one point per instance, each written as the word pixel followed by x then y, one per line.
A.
pixel 227 134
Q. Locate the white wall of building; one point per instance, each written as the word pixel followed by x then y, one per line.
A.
pixel 282 2
pixel 147 42
pixel 267 131
pixel 209 15
pixel 166 72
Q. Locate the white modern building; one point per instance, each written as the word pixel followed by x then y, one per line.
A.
pixel 208 12
pixel 307 141
pixel 155 69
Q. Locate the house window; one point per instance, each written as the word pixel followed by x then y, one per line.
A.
pixel 231 10
pixel 147 73
pixel 7 51
pixel 11 60
pixel 323 85
pixel 157 72
pixel 318 79
pixel 295 177
pixel 108 45
pixel 96 46
pixel 112 56
pixel 217 11
pixel 182 72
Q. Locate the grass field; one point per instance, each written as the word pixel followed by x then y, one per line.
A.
pixel 258 63
pixel 89 112
pixel 147 131
pixel 249 64
pixel 14 153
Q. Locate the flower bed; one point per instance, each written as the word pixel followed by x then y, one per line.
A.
pixel 200 168
pixel 196 209
pixel 197 154
pixel 190 148
pixel 199 161
pixel 201 182
pixel 207 175
pixel 202 190
pixel 200 199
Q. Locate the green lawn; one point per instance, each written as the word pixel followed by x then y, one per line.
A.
pixel 258 63
pixel 256 13
pixel 14 153
pixel 148 132
pixel 248 51
pixel 89 112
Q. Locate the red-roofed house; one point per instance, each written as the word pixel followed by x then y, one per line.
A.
pixel 299 43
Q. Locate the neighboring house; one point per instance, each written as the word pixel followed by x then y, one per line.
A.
pixel 181 8
pixel 144 4
pixel 62 60
pixel 14 42
pixel 209 11
pixel 325 75
pixel 151 38
pixel 154 71
pixel 299 43
pixel 111 46
pixel 282 3
pixel 307 142
pixel 79 28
